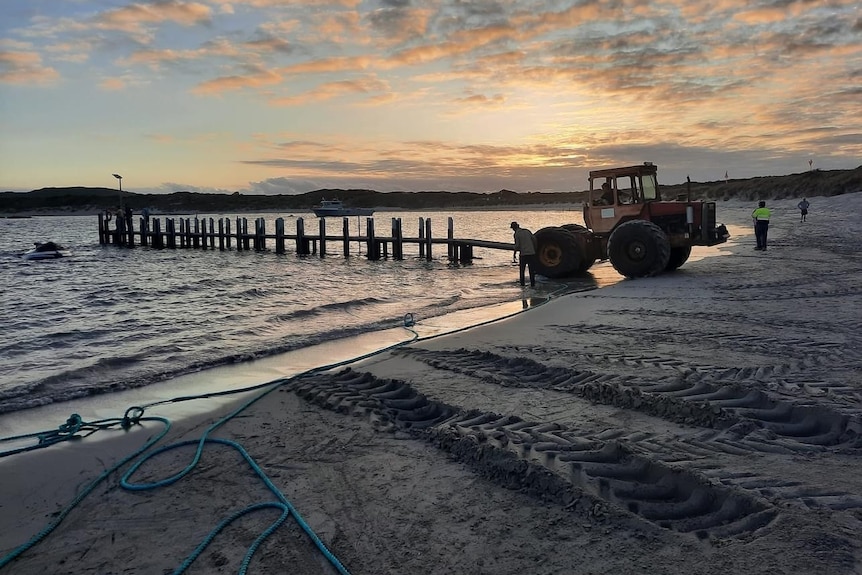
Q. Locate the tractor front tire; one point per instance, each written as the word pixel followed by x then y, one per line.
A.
pixel 638 249
pixel 678 256
pixel 559 254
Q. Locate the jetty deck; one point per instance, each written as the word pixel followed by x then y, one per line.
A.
pixel 219 233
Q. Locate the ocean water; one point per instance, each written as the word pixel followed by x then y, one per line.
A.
pixel 108 319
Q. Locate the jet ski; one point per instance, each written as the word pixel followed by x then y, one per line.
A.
pixel 46 251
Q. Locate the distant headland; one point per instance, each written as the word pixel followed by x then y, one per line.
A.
pixel 83 200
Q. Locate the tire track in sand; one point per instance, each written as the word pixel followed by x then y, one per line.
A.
pixel 787 426
pixel 546 458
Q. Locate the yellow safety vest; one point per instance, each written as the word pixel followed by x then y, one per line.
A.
pixel 761 214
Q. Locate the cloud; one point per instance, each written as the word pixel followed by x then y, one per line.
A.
pixel 287 186
pixel 399 23
pixel 25 68
pixel 326 91
pixel 112 84
pixel 134 16
pixel 255 79
pixel 172 187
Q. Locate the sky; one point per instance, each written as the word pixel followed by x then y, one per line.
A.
pixel 289 96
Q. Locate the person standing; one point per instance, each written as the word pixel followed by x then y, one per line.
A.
pixel 761 216
pixel 803 209
pixel 525 245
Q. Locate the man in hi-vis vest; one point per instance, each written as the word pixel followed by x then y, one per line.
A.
pixel 761 216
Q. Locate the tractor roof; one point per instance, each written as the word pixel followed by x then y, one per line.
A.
pixel 645 168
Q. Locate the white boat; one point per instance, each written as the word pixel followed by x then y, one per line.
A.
pixel 328 208
pixel 46 251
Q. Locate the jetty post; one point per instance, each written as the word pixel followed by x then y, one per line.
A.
pixel 428 256
pixel 145 232
pixel 171 228
pixel 279 236
pixel 397 239
pixel 450 235
pixel 156 238
pixel 345 230
pixel 321 233
pixel 421 238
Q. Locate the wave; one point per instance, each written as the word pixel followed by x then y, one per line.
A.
pixel 90 380
pixel 112 374
pixel 328 308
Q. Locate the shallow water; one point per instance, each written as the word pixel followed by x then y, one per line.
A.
pixel 109 319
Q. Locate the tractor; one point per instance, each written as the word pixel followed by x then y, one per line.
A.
pixel 628 223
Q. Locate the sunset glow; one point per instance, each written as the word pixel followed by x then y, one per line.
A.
pixel 288 96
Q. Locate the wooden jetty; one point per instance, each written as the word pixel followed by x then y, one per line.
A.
pixel 212 233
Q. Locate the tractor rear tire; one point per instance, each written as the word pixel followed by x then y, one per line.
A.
pixel 638 249
pixel 585 238
pixel 559 254
pixel 678 256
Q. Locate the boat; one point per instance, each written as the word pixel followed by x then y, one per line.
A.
pixel 327 208
pixel 46 251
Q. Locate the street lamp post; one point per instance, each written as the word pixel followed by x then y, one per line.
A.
pixel 120 181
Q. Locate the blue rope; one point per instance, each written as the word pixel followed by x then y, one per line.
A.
pixel 89 489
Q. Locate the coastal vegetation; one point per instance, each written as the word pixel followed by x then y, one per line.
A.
pixel 85 200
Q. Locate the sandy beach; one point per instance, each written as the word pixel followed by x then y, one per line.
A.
pixel 707 422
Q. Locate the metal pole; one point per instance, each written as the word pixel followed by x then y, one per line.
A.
pixel 120 180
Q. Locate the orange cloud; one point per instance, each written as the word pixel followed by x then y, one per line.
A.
pixel 130 18
pixel 25 68
pixel 329 65
pixel 112 84
pixel 229 6
pixel 229 83
pixel 332 90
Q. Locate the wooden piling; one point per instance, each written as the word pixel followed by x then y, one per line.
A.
pixel 371 245
pixel 321 233
pixel 156 239
pixel 450 235
pixel 170 230
pixel 246 237
pixel 428 255
pixel 345 231
pixel 279 236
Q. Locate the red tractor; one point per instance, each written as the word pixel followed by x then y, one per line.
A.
pixel 628 223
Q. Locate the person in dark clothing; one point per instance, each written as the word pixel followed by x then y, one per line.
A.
pixel 525 245
pixel 803 209
pixel 761 216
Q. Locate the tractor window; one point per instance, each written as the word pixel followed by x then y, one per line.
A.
pixel 650 190
pixel 627 190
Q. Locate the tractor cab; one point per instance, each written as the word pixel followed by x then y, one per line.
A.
pixel 618 194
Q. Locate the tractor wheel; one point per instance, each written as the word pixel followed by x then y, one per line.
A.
pixel 585 238
pixel 678 256
pixel 559 254
pixel 638 248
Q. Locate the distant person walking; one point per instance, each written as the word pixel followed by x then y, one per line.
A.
pixel 803 209
pixel 761 216
pixel 525 245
